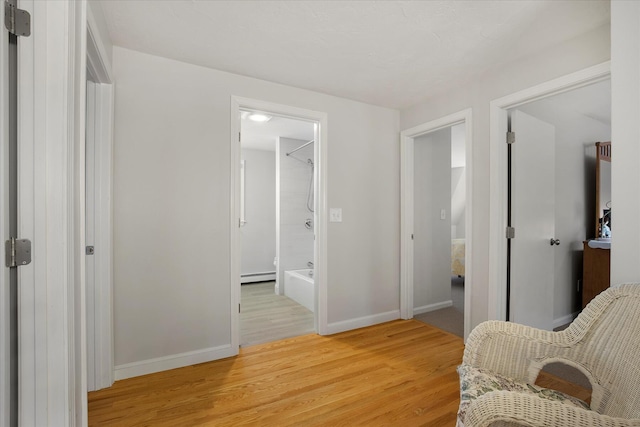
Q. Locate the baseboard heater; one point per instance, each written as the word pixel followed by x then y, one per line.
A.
pixel 258 277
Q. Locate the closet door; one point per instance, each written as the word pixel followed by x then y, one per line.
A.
pixel 533 217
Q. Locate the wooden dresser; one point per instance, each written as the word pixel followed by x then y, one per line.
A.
pixel 596 269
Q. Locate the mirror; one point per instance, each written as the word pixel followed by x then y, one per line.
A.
pixel 603 189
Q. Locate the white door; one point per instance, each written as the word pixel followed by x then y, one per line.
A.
pixel 90 233
pixel 533 217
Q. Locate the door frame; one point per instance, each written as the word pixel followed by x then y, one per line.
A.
pixel 52 318
pixel 100 351
pixel 320 217
pixel 407 138
pixel 498 198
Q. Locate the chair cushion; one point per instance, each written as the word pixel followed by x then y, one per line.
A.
pixel 475 382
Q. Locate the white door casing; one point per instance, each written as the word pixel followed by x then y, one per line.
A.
pixel 407 210
pixel 498 172
pixel 99 221
pixel 51 99
pixel 533 216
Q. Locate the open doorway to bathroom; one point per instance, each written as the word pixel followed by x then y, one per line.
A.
pixel 277 227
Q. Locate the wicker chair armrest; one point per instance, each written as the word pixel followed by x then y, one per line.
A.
pixel 533 411
pixel 510 348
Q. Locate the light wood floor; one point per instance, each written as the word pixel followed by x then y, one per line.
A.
pixel 400 373
pixel 266 317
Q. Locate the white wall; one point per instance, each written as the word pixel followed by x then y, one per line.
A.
pixel 172 167
pixel 576 136
pixel 432 235
pixel 625 173
pixel 295 240
pixel 579 53
pixel 258 234
pixel 458 181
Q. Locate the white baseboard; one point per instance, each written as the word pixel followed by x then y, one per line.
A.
pixel 565 319
pixel 258 277
pixel 432 307
pixel 150 366
pixel 361 322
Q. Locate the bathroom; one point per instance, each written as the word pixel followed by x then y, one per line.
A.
pixel 277 227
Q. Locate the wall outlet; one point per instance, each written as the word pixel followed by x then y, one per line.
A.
pixel 335 215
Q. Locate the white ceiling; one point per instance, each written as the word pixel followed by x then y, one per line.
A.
pixel 388 53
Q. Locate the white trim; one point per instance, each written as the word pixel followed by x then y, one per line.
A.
pixel 279 289
pixel 320 215
pixel 498 172
pixel 262 277
pixel 159 364
pixel 406 206
pixel 565 319
pixel 100 309
pixel 362 322
pixel 52 343
pixel 90 214
pixel 432 307
pixel 98 62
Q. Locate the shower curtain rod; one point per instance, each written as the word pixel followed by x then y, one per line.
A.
pixel 300 148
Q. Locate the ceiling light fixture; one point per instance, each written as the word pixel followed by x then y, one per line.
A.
pixel 259 117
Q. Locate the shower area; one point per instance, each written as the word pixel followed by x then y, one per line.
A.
pixel 295 220
pixel 277 182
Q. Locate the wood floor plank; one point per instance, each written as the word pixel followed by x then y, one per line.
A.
pixel 400 373
pixel 266 316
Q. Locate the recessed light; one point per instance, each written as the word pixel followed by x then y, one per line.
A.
pixel 258 117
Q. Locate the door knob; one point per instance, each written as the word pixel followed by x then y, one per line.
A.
pixel 554 241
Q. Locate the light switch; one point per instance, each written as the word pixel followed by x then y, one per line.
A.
pixel 443 214
pixel 335 215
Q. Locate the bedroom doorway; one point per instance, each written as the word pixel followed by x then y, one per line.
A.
pixel 566 285
pixel 436 283
pixel 553 201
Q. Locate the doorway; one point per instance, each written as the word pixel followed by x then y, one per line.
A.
pixel 553 198
pixel 277 296
pixel 298 223
pixel 566 199
pixel 436 227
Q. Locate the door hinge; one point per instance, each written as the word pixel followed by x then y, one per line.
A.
pixel 239 137
pixel 238 308
pixel 511 233
pixel 17 21
pixel 511 137
pixel 18 252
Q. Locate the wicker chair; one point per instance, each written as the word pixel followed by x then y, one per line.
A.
pixel 603 342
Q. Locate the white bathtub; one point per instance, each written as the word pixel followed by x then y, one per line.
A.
pixel 298 285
